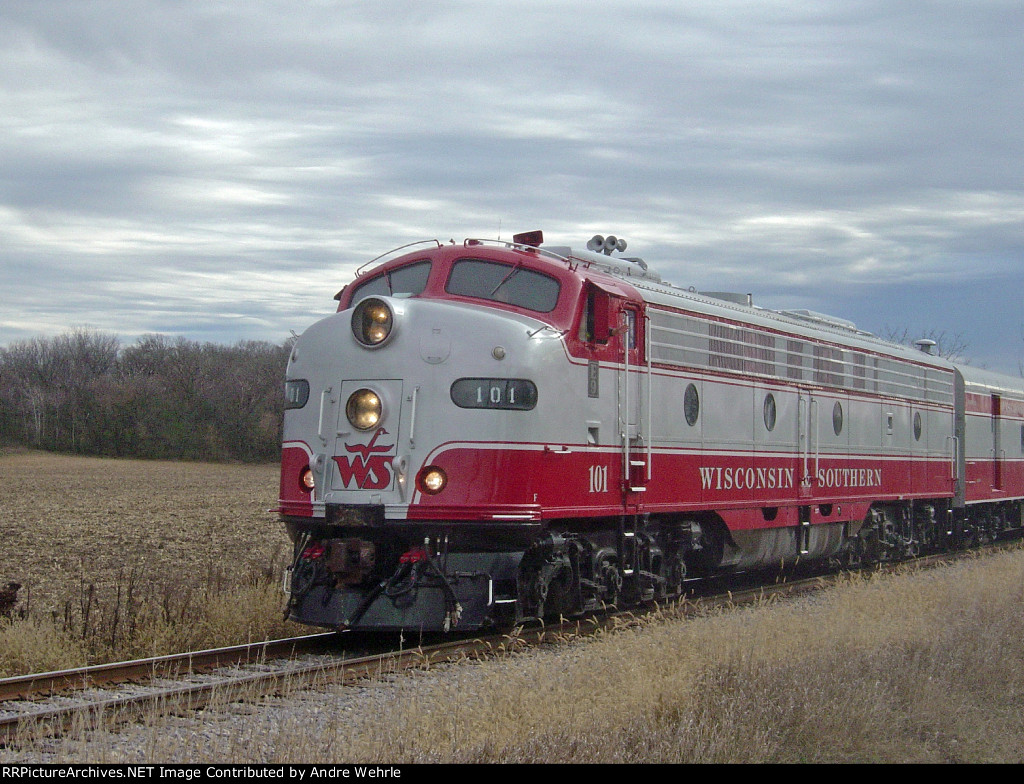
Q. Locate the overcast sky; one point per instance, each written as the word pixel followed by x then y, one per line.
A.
pixel 218 169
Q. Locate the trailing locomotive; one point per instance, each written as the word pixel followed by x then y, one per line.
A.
pixel 491 431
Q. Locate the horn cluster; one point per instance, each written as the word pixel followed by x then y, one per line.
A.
pixel 606 244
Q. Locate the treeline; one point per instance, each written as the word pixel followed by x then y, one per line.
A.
pixel 84 392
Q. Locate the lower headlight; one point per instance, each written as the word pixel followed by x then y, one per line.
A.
pixel 364 409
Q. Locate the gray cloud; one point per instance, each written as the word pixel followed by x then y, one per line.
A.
pixel 218 169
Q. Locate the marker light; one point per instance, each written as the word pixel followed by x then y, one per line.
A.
pixel 364 409
pixel 306 481
pixel 372 322
pixel 431 480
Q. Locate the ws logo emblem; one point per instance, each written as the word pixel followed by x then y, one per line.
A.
pixel 367 466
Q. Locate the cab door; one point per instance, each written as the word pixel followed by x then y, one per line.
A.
pixel 634 403
pixel 613 329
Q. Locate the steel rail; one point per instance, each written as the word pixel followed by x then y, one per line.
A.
pixel 43 684
pixel 191 696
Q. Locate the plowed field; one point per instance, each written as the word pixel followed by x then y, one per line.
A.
pixel 68 522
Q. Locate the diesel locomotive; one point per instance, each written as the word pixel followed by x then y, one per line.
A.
pixel 487 432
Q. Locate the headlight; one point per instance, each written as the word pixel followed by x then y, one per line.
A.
pixel 372 322
pixel 364 409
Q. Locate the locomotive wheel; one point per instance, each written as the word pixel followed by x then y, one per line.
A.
pixel 534 595
pixel 853 555
pixel 676 575
pixel 611 581
pixel 549 588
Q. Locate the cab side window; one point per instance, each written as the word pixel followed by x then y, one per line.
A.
pixel 595 325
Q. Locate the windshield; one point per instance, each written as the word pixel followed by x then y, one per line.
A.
pixel 506 283
pixel 409 280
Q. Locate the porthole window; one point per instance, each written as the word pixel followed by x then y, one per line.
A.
pixel 917 426
pixel 837 417
pixel 769 411
pixel 691 405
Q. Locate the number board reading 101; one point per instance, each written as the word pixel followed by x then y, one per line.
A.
pixel 513 394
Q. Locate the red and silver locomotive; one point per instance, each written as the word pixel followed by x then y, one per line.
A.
pixel 487 432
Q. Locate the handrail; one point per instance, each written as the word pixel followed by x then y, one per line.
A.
pixel 395 250
pixel 470 241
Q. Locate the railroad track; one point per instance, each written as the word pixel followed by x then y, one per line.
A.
pixel 50 703
pixel 37 685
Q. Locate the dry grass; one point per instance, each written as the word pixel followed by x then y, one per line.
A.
pixel 925 667
pixel 126 558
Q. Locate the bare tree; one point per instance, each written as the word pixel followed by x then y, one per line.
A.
pixel 161 398
pixel 45 382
